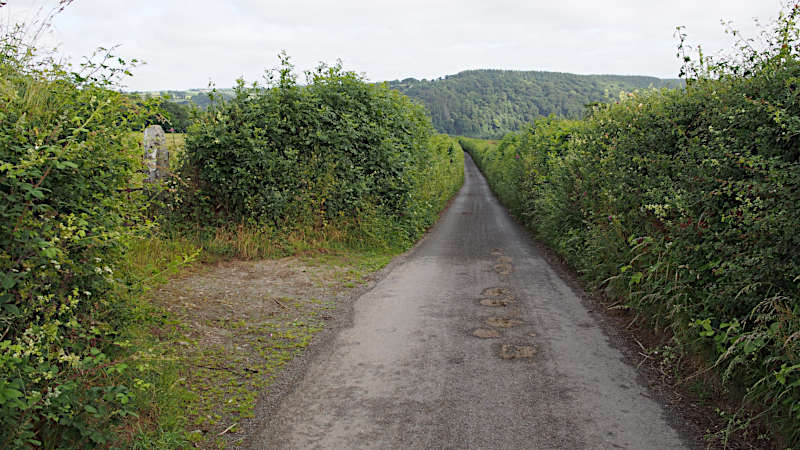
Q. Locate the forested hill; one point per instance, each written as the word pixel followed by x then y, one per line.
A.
pixel 490 103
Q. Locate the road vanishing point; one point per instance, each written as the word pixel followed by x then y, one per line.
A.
pixel 472 341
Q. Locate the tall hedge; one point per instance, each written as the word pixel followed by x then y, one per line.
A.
pixel 337 149
pixel 684 203
pixel 65 155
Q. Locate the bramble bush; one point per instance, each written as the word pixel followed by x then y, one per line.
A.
pixel 66 155
pixel 334 153
pixel 685 204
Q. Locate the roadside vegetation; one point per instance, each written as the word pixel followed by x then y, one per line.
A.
pixel 336 166
pixel 683 206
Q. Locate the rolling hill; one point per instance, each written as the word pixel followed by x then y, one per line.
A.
pixel 490 103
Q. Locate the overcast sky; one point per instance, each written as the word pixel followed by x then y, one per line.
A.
pixel 187 43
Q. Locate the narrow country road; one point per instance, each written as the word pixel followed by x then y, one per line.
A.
pixel 473 341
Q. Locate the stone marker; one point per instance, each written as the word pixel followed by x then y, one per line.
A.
pixel 156 155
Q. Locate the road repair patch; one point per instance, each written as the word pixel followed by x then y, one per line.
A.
pixel 485 333
pixel 510 351
pixel 503 269
pixel 496 292
pixel 502 322
pixel 495 302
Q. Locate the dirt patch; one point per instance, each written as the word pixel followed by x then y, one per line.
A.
pixel 212 303
pixel 495 302
pixel 502 322
pixel 510 351
pixel 238 323
pixel 484 333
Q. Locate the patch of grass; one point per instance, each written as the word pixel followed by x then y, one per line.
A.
pixel 176 144
pixel 155 259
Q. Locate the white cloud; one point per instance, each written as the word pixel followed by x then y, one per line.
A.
pixel 187 43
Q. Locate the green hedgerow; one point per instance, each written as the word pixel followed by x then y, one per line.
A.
pixel 66 154
pixel 337 150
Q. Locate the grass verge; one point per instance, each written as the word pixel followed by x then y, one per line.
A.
pixel 219 323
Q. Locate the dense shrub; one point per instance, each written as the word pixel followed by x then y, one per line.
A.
pixel 65 155
pixel 336 150
pixel 685 204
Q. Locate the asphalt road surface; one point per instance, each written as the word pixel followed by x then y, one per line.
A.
pixel 473 341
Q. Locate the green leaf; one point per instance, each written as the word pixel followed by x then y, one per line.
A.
pixel 66 165
pixel 8 282
pixel 50 252
pixel 37 193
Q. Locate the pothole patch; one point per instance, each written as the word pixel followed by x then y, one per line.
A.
pixel 510 351
pixel 484 333
pixel 502 322
pixel 503 269
pixel 495 302
pixel 504 260
pixel 496 292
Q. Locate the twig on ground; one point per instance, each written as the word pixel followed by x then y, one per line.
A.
pixel 279 303
pixel 612 305
pixel 646 357
pixel 229 369
pixel 227 429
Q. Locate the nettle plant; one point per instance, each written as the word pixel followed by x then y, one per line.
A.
pixel 66 157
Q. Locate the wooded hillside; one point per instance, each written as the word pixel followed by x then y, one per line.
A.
pixel 491 103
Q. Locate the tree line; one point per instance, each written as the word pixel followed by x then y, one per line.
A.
pixel 491 103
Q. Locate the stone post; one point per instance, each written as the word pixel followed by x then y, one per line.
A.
pixel 156 155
